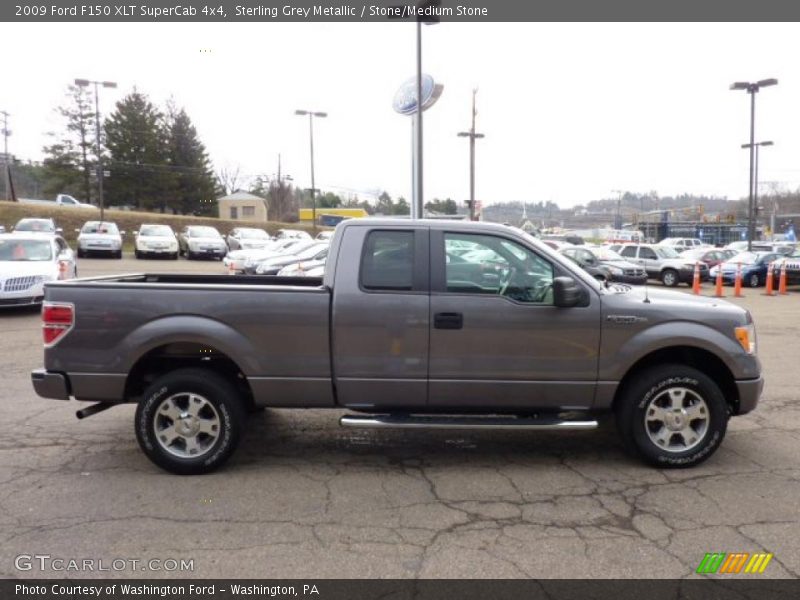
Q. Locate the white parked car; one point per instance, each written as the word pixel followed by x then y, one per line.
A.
pixel 237 260
pixel 303 269
pixel 27 262
pixel 292 233
pixel 285 247
pixel 201 240
pixel 681 244
pixel 271 266
pixel 99 237
pixel 324 236
pixel 156 240
pixel 247 238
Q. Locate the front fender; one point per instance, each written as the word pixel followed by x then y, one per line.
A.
pixel 617 359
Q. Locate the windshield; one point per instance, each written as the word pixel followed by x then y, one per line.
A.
pixel 35 225
pixel 156 231
pixel 25 250
pixel 605 254
pixel 98 227
pixel 203 232
pixel 253 234
pixel 666 252
pixel 746 258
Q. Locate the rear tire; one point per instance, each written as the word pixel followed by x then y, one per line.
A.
pixel 137 254
pixel 190 421
pixel 118 254
pixel 672 416
pixel 754 280
pixel 174 256
pixel 81 253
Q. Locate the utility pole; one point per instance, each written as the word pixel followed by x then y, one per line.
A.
pixel 6 166
pixel 100 170
pixel 472 135
pixel 311 115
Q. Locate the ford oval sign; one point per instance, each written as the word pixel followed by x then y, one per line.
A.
pixel 405 100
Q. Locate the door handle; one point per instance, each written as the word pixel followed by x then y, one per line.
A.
pixel 448 320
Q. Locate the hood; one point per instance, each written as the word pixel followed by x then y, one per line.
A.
pixel 22 268
pixel 92 237
pixel 669 305
pixel 252 253
pixel 168 239
pixel 622 264
pixel 205 240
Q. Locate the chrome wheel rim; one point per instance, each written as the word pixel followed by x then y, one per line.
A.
pixel 677 419
pixel 669 278
pixel 754 281
pixel 186 425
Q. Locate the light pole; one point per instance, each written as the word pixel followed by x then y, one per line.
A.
pixel 755 175
pixel 311 115
pixel 472 135
pixel 752 89
pixel 97 84
pixel 6 167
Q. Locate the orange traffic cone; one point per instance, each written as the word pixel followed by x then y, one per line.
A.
pixel 696 279
pixel 718 289
pixel 737 284
pixel 782 282
pixel 770 279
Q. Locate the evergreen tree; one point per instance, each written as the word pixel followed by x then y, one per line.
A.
pixel 138 150
pixel 191 180
pixel 70 159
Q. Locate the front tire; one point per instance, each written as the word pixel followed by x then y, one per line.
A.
pixel 190 421
pixel 669 277
pixel 174 256
pixel 672 416
pixel 754 280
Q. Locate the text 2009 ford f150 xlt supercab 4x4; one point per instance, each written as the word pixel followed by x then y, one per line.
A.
pixel 415 324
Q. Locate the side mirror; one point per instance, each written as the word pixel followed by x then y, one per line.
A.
pixel 566 292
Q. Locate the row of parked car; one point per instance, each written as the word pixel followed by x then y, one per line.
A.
pixel 673 264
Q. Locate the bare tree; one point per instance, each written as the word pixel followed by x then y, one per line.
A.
pixel 229 179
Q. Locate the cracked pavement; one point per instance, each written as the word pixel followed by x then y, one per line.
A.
pixel 304 498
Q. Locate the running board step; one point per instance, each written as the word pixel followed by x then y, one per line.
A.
pixel 462 422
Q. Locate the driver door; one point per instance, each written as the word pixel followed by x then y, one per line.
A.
pixel 497 341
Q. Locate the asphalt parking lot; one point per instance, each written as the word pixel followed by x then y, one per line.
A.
pixel 303 498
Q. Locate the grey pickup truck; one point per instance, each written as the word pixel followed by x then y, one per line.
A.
pixel 417 324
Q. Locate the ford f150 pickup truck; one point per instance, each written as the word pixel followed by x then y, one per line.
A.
pixel 414 324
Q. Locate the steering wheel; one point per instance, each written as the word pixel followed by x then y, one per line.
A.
pixel 504 283
pixel 541 293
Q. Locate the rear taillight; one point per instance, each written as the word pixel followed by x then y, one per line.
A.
pixel 57 320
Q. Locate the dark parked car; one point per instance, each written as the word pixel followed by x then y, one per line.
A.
pixel 754 267
pixel 602 263
pixel 710 256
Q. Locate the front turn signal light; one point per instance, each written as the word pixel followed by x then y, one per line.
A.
pixel 746 336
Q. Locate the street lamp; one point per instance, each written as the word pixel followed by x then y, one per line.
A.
pixel 755 176
pixel 97 84
pixel 311 115
pixel 752 88
pixel 472 137
pixel 6 161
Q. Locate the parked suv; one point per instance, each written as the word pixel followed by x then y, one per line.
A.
pixel 681 244
pixel 602 263
pixel 663 263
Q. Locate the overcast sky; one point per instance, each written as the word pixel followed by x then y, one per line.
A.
pixel 570 111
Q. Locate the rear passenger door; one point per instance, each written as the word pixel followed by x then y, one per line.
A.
pixel 380 318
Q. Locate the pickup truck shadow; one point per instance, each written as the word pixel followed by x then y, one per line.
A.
pixel 314 436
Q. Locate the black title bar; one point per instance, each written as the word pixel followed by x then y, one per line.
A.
pixel 398 10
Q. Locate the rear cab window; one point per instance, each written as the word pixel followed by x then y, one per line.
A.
pixel 387 262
